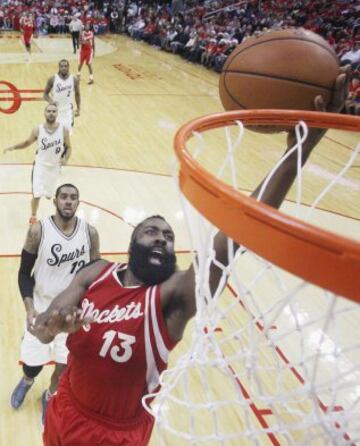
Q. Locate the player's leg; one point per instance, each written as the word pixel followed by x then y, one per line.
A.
pixel 77 38
pixel 60 355
pixel 44 179
pixel 51 391
pixel 89 65
pixel 36 187
pixel 81 62
pixel 29 44
pixel 54 380
pixel 34 355
pixel 66 118
pixel 73 37
pixel 91 75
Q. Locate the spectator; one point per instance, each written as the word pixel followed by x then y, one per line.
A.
pixel 352 57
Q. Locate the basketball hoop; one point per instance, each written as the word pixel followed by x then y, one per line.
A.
pixel 332 262
pixel 269 357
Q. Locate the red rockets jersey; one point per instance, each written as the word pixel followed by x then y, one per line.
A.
pixel 87 38
pixel 117 359
pixel 27 25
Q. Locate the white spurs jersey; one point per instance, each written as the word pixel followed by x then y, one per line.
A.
pixel 59 258
pixel 62 92
pixel 50 146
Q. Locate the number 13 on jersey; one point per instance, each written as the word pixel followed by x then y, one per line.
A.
pixel 121 352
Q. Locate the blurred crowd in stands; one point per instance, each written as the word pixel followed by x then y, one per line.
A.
pixel 54 16
pixel 200 31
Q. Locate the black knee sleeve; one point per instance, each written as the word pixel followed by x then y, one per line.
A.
pixel 32 371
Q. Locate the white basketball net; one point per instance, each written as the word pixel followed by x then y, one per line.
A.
pixel 273 360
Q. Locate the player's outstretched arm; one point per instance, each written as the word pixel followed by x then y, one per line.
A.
pixel 68 148
pixel 62 314
pixel 179 291
pixel 48 88
pixel 22 145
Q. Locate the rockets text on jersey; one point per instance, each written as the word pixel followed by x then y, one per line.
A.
pixel 126 347
pixel 87 38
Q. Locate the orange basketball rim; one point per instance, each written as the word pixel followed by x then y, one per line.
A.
pixel 318 256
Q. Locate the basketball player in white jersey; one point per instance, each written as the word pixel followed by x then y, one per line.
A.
pixel 55 249
pixel 54 149
pixel 59 90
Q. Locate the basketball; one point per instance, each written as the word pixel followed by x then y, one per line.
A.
pixel 284 69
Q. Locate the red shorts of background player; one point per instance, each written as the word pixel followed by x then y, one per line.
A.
pixel 27 37
pixel 67 424
pixel 86 55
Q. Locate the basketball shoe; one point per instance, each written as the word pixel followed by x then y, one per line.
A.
pixel 19 393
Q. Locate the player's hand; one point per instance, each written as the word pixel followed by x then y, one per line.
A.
pixel 47 326
pixel 8 149
pixel 336 105
pixel 340 93
pixel 77 113
pixel 30 318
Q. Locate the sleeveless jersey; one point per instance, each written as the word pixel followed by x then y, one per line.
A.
pixel 87 38
pixel 118 358
pixel 62 92
pixel 27 25
pixel 59 258
pixel 50 146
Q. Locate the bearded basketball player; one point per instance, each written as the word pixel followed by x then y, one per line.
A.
pixel 124 319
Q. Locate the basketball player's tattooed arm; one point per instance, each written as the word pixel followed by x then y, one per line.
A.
pixel 77 96
pixel 47 91
pixel 25 278
pixel 63 314
pixel 22 145
pixel 95 243
pixel 178 292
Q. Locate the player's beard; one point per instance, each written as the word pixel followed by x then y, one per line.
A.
pixel 65 217
pixel 148 273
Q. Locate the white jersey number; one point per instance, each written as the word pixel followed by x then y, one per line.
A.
pixel 119 353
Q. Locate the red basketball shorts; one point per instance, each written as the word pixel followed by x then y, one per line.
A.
pixel 86 55
pixel 27 37
pixel 66 425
